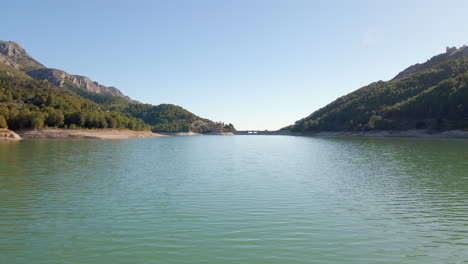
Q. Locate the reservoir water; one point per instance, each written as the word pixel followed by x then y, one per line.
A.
pixel 234 199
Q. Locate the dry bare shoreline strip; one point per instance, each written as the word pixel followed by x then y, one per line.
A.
pixel 6 134
pixel 415 133
pixel 214 133
pixel 58 133
pixel 395 134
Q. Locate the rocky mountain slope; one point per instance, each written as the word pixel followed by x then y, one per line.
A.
pixel 12 54
pixel 63 79
pixel 33 96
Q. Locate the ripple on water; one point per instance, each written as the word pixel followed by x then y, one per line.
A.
pixel 234 200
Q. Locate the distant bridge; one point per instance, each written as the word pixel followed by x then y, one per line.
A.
pixel 259 132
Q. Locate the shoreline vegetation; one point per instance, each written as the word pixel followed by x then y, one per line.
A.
pixel 33 96
pixel 428 100
pixel 433 99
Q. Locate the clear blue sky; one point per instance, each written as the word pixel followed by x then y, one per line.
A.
pixel 256 64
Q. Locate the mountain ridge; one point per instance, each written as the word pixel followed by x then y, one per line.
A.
pixel 31 97
pixel 431 96
pixel 451 53
pixel 59 78
pixel 14 55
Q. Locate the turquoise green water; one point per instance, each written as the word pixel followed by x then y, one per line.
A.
pixel 234 199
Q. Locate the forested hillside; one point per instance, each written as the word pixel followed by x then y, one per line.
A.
pixel 433 99
pixel 33 96
pixel 173 118
pixel 29 103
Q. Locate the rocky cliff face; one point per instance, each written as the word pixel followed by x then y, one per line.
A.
pixel 450 54
pixel 13 55
pixel 60 78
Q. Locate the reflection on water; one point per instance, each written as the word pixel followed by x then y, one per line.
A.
pixel 240 199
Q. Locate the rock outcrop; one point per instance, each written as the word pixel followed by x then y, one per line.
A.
pixel 6 134
pixel 13 55
pixel 60 78
pixel 450 54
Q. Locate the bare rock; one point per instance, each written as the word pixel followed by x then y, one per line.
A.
pixel 12 54
pixel 6 134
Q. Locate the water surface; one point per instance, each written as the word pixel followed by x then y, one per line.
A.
pixel 234 199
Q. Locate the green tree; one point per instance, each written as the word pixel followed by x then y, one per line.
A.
pixel 436 97
pixel 55 118
pixel 3 122
pixel 37 120
pixel 372 120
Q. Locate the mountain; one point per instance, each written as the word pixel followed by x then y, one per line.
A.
pixel 173 118
pixel 432 96
pixel 31 94
pixel 61 78
pixel 80 84
pixel 29 103
pixel 9 71
pixel 450 54
pixel 12 54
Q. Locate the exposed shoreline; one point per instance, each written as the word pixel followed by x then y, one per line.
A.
pixel 198 134
pixel 395 134
pixel 415 133
pixel 59 133
pixel 62 133
pixel 6 134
